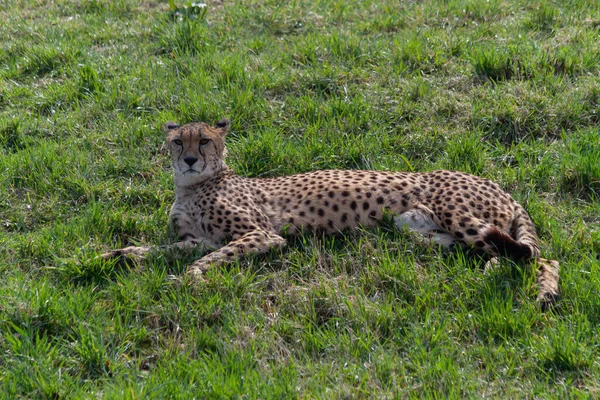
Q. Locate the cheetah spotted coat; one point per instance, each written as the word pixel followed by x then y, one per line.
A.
pixel 216 209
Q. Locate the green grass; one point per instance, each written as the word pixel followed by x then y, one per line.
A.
pixel 504 89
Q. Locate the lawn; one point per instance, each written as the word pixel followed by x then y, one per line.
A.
pixel 508 90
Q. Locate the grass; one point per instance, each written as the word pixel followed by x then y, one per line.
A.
pixel 504 89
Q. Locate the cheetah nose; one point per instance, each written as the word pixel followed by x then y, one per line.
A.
pixel 190 160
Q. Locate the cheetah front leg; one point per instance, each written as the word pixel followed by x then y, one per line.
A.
pixel 141 252
pixel 254 242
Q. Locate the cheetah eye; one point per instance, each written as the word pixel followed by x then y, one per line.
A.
pixel 204 142
pixel 178 142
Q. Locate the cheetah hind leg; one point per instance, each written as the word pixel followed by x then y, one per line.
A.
pixel 420 220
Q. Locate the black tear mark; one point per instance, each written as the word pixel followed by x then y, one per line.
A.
pixel 203 158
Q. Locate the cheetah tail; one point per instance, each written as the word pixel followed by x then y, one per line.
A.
pixel 507 246
pixel 547 270
pixel 524 232
pixel 524 244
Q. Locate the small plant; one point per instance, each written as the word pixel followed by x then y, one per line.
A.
pixel 89 82
pixel 494 65
pixel 544 18
pixel 10 135
pixel 191 10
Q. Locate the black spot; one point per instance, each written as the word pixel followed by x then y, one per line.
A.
pixel 302 213
pixel 379 200
pixel 335 207
pixel 365 206
pixel 459 235
pixel 321 212
pixel 471 232
pixel 353 205
pixel 331 194
pixel 344 217
pixel 345 193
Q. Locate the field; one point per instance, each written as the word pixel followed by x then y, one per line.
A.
pixel 508 90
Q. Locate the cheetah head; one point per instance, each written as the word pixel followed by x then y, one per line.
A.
pixel 197 150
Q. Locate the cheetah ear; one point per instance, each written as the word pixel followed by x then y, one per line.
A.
pixel 169 126
pixel 223 125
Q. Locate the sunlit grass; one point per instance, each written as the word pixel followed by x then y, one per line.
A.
pixel 503 89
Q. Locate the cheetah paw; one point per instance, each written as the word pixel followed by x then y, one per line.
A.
pixel 196 274
pixel 129 252
pixel 490 265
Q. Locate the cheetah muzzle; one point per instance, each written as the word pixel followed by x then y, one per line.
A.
pixel 215 209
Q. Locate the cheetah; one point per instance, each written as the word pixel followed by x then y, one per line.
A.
pixel 216 209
